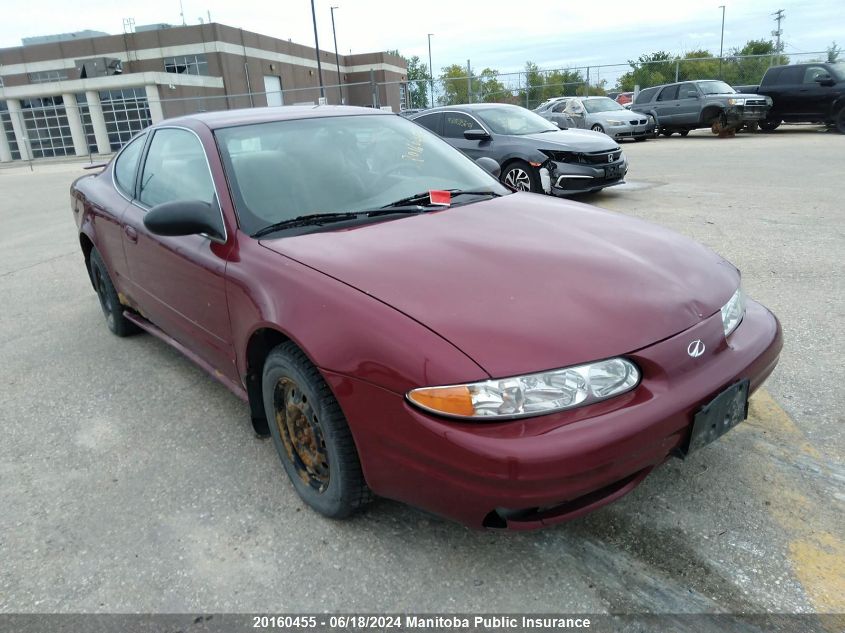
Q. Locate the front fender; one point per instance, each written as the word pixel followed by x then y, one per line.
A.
pixel 341 329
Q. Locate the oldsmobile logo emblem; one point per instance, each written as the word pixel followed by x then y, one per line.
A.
pixel 696 348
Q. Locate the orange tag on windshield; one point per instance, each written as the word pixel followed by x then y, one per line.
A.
pixel 440 197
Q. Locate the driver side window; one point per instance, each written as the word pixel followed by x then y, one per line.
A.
pixel 175 169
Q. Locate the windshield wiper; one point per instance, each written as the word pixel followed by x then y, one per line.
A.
pixel 423 197
pixel 311 219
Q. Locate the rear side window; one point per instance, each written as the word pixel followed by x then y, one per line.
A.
pixel 791 75
pixel 175 169
pixel 127 165
pixel 645 95
pixel 669 93
pixel 430 121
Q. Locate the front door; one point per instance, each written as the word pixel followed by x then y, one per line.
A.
pixel 815 98
pixel 178 281
pixel 666 105
pixel 688 110
pixel 454 126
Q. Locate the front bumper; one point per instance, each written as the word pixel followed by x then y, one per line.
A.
pixel 747 113
pixel 569 178
pixel 539 471
pixel 640 130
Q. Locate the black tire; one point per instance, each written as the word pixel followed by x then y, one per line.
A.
pixel 597 128
pixel 684 132
pixel 521 176
pixel 770 125
pixel 640 139
pixel 311 435
pixel 666 133
pixel 118 324
pixel 840 121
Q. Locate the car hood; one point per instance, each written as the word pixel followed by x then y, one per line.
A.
pixel 573 139
pixel 526 282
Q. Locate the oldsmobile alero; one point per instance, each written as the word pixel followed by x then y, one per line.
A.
pixel 403 325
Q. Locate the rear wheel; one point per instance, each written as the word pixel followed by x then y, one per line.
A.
pixel 684 132
pixel 666 133
pixel 109 301
pixel 520 176
pixel 311 435
pixel 770 125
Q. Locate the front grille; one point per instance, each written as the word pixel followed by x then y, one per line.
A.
pixel 755 102
pixel 600 158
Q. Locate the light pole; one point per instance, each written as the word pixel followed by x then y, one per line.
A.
pixel 722 41
pixel 430 70
pixel 317 46
pixel 337 60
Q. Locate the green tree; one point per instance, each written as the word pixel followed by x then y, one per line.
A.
pixel 748 64
pixel 698 64
pixel 562 83
pixel 418 82
pixel 453 78
pixel 487 87
pixel 535 84
pixel 833 52
pixel 648 70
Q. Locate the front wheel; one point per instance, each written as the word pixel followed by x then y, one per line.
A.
pixel 597 128
pixel 666 133
pixel 684 132
pixel 520 176
pixel 311 435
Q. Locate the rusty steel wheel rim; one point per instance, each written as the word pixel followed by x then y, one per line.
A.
pixel 301 434
pixel 103 296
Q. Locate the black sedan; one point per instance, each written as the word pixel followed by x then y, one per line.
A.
pixel 534 154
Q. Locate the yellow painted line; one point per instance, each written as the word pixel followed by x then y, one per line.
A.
pixel 816 554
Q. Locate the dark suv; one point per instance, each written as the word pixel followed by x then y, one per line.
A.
pixel 685 106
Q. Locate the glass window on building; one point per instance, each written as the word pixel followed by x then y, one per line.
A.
pixel 44 76
pixel 126 112
pixel 47 127
pixel 7 129
pixel 87 123
pixel 186 65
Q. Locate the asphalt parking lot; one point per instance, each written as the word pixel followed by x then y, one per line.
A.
pixel 130 481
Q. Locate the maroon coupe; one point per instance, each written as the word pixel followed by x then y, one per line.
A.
pixel 404 325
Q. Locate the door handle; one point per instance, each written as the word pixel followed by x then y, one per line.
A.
pixel 131 234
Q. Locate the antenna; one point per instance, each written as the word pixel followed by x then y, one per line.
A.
pixel 779 16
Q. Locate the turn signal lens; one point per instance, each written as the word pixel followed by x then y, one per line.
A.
pixel 532 394
pixel 446 400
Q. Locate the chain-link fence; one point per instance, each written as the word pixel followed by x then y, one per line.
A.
pixel 531 87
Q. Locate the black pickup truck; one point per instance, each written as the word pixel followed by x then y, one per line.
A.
pixel 803 93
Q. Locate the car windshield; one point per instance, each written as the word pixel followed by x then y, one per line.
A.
pixel 716 88
pixel 282 170
pixel 603 104
pixel 511 119
pixel 838 70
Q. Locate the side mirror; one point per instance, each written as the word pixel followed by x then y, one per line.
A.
pixel 825 80
pixel 489 165
pixel 476 135
pixel 562 125
pixel 184 217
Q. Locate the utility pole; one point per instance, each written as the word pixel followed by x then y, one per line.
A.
pixel 779 16
pixel 469 83
pixel 430 70
pixel 337 59
pixel 722 41
pixel 317 47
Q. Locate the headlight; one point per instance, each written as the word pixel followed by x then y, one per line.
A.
pixel 733 311
pixel 530 395
pixel 733 101
pixel 615 122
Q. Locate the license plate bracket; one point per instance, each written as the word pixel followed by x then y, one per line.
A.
pixel 718 416
pixel 612 172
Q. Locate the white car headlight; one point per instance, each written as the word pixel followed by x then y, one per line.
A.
pixel 733 311
pixel 732 101
pixel 615 122
pixel 532 394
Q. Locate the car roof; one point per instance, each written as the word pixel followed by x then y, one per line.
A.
pixel 246 116
pixel 469 107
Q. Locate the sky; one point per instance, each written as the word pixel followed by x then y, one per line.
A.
pixel 500 34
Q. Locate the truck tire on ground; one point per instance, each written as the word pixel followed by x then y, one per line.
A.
pixel 769 125
pixel 840 121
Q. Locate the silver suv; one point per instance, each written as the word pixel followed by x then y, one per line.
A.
pixel 685 106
